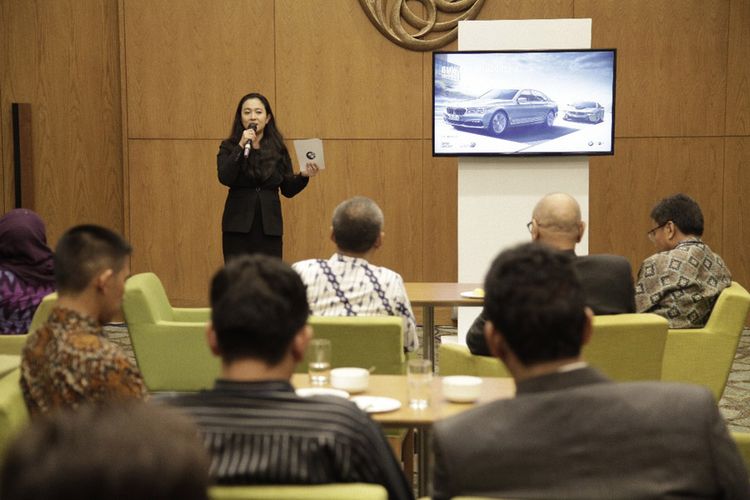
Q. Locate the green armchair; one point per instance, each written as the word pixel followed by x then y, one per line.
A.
pixel 627 347
pixel 169 342
pixel 704 355
pixel 363 341
pixel 456 359
pixel 13 412
pixel 623 346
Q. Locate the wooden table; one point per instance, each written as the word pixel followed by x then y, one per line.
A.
pixel 395 386
pixel 428 296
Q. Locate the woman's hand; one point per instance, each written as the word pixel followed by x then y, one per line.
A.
pixel 249 135
pixel 311 169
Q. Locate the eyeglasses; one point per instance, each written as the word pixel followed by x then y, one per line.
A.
pixel 530 225
pixel 652 232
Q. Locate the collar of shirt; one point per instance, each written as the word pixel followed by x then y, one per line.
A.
pixel 352 261
pixel 254 386
pixel 690 241
pixel 67 317
pixel 572 366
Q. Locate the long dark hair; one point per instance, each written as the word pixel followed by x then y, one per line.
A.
pixel 271 135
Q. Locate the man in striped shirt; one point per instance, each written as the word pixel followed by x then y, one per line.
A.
pixel 347 284
pixel 257 430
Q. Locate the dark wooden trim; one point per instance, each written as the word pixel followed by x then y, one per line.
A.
pixel 23 164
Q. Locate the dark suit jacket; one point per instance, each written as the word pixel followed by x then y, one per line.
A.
pixel 578 435
pixel 274 173
pixel 607 283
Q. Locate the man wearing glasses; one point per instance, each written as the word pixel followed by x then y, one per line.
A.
pixel 683 280
pixel 607 280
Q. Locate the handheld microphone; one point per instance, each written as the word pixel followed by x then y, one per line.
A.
pixel 249 144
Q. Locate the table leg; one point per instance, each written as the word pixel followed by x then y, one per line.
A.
pixel 428 334
pixel 424 461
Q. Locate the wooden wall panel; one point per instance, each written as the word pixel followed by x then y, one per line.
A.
pixel 439 217
pixel 189 62
pixel 624 189
pixel 389 172
pixel 331 74
pixel 737 209
pixel 338 77
pixel 62 58
pixel 671 67
pixel 175 215
pixel 738 69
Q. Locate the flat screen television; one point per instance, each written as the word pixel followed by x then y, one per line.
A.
pixel 523 102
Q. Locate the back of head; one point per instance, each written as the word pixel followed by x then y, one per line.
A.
pixel 357 224
pixel 558 217
pixel 683 211
pixel 85 251
pixel 124 450
pixel 259 304
pixel 534 298
pixel 23 246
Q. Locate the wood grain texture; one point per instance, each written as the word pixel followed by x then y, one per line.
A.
pixel 389 172
pixel 624 188
pixel 189 62
pixel 62 57
pixel 339 78
pixel 737 208
pixel 671 63
pixel 439 217
pixel 175 214
pixel 738 69
pixel 5 181
pixel 124 119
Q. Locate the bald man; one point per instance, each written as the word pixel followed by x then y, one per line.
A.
pixel 607 280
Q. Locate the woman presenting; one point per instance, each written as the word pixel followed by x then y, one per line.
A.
pixel 255 164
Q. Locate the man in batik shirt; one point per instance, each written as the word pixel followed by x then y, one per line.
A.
pixel 683 280
pixel 68 361
pixel 347 284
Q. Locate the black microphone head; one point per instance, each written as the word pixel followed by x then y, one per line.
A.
pixel 253 126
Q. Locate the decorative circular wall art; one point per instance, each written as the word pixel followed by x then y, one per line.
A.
pixel 427 32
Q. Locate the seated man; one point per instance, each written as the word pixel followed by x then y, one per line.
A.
pixel 683 280
pixel 347 284
pixel 68 361
pixel 570 432
pixel 103 452
pixel 257 430
pixel 607 280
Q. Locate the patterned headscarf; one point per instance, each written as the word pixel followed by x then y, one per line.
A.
pixel 23 247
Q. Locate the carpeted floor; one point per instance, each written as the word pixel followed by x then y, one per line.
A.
pixel 734 404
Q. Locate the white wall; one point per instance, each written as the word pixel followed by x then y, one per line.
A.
pixel 496 195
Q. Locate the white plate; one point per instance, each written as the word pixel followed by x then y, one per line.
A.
pixel 471 294
pixel 321 391
pixel 376 404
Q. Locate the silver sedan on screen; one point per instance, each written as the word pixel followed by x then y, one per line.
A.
pixel 584 110
pixel 500 109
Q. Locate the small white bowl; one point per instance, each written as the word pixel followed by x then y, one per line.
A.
pixel 350 379
pixel 461 388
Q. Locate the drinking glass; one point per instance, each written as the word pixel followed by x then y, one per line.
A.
pixel 419 380
pixel 319 365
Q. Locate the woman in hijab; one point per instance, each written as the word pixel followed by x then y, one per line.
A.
pixel 26 269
